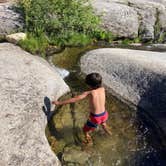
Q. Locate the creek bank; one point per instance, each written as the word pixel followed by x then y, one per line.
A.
pixel 135 46
pixel 24 82
pixel 136 77
pixel 133 19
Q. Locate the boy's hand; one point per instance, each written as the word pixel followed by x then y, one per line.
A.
pixel 55 102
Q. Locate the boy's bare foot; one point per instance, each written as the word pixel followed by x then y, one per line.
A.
pixel 87 143
pixel 88 140
pixel 106 129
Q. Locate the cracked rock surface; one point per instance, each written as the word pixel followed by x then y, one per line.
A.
pixel 10 20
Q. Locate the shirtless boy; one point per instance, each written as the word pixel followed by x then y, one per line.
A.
pixel 98 114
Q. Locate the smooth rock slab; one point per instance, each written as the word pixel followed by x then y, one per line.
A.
pixel 136 76
pixel 133 18
pixel 24 81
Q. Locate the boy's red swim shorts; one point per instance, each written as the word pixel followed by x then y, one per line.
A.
pixel 94 120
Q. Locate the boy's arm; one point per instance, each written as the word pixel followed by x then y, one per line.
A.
pixel 73 99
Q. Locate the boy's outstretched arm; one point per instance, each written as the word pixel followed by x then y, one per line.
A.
pixel 73 99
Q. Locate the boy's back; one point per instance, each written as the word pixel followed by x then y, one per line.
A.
pixel 97 100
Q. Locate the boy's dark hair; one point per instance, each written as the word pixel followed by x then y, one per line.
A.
pixel 94 80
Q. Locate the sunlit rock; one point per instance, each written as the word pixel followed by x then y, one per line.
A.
pixel 16 37
pixel 10 20
pixel 136 76
pixel 24 82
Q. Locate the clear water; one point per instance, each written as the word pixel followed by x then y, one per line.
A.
pixel 134 140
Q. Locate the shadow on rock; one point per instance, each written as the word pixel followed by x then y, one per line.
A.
pixel 151 158
pixel 46 108
pixel 151 117
pixel 153 102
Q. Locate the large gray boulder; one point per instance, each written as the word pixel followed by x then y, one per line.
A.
pixel 10 20
pixel 163 2
pixel 133 18
pixel 120 19
pixel 129 73
pixel 147 18
pixel 24 81
pixel 151 19
pixel 137 77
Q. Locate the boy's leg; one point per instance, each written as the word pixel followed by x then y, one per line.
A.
pixel 88 138
pixel 106 128
pixel 87 129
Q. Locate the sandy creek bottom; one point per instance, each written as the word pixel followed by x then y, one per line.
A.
pixel 134 140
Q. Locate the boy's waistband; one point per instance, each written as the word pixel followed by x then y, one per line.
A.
pixel 98 115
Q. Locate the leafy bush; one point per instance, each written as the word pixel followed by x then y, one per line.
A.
pixel 35 45
pixel 129 41
pixel 64 22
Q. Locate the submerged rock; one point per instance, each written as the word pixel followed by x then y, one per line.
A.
pixel 74 155
pixel 24 82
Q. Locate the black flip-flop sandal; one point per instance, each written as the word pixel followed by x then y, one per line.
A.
pixel 47 104
pixel 47 108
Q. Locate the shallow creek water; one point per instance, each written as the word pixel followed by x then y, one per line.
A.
pixel 133 141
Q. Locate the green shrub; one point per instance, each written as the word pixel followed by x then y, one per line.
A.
pixel 64 22
pixel 104 35
pixel 35 45
pixel 137 40
pixel 129 41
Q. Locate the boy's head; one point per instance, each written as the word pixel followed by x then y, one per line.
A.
pixel 94 80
